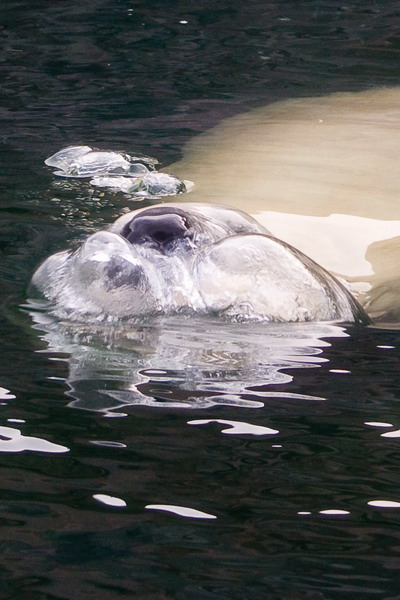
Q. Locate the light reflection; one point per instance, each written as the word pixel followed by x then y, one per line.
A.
pixel 13 441
pixel 182 511
pixel 114 414
pixel 237 427
pixel 386 347
pixel 184 363
pixel 377 424
pixel 384 503
pixel 108 444
pixel 5 394
pixel 110 500
pixel 334 511
pixel 391 434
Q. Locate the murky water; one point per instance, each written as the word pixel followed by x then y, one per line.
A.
pixel 195 459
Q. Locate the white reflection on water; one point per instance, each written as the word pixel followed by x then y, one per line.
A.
pixel 13 441
pixel 107 444
pixel 391 434
pixel 5 394
pixel 334 511
pixel 319 173
pixel 384 503
pixel 237 427
pixel 386 347
pixel 182 511
pixel 184 363
pixel 110 500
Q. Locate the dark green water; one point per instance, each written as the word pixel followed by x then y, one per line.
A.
pixel 109 412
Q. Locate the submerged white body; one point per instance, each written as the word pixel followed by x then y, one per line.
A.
pixel 322 174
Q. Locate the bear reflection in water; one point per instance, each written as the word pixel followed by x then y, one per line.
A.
pixel 183 258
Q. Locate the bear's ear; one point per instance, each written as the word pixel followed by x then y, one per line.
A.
pixel 157 228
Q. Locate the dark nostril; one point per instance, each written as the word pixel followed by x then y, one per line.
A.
pixel 157 227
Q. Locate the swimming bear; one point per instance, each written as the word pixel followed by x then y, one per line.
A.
pixel 190 258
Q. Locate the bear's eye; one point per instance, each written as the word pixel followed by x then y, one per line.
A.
pixel 161 230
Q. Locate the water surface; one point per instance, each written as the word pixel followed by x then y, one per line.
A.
pixel 196 459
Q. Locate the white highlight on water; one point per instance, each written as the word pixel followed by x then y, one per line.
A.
pixel 334 511
pixel 16 442
pixel 5 394
pixel 386 347
pixel 384 503
pixel 182 511
pixel 110 500
pixel 237 427
pixel 391 434
pixel 108 444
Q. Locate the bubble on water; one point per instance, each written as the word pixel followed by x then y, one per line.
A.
pixel 289 287
pixel 162 184
pixel 63 158
pixel 127 185
pixel 115 171
pixel 97 163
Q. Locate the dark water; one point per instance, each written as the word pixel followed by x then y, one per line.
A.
pixel 264 428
